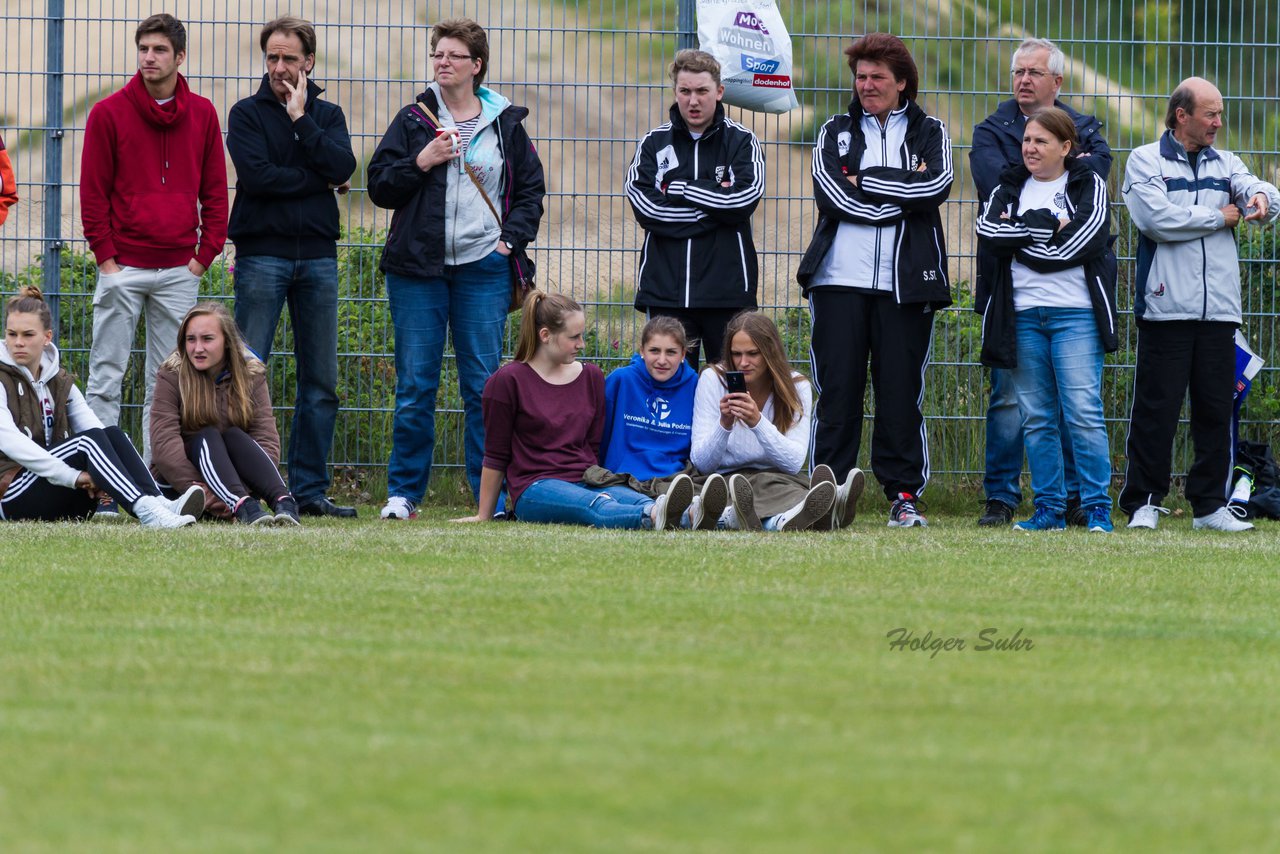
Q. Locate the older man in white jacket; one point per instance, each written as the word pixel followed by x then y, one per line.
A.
pixel 1186 197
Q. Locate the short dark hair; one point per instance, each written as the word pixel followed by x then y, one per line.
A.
pixel 293 26
pixel 695 62
pixel 882 47
pixel 1057 122
pixel 469 33
pixel 1182 98
pixel 166 25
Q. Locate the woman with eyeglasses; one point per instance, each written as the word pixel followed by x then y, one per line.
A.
pixel 466 186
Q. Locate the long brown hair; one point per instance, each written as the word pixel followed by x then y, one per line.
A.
pixel 196 387
pixel 542 311
pixel 764 334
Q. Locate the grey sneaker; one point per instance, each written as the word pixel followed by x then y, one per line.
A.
pixel 189 503
pixel 815 506
pixel 743 500
pixel 822 473
pixel 670 506
pixel 706 509
pixel 903 513
pixel 845 507
pixel 1221 519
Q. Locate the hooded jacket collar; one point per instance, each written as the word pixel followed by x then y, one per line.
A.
pixel 161 117
pixel 49 364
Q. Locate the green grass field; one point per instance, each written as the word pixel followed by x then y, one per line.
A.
pixel 426 686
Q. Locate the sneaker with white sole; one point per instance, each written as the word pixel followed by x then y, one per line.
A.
pixel 251 512
pixel 108 510
pixel 1099 520
pixel 903 513
pixel 845 507
pixel 815 506
pixel 1147 516
pixel 1043 519
pixel 743 499
pixel 1221 519
pixel 189 503
pixel 709 504
pixel 399 508
pixel 670 505
pixel 822 473
pixel 153 512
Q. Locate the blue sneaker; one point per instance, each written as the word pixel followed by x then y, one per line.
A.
pixel 1043 519
pixel 1100 520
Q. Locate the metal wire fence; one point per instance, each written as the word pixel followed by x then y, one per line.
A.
pixel 593 74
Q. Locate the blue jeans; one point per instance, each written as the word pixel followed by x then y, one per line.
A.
pixel 559 501
pixel 1004 444
pixel 1059 379
pixel 263 284
pixel 469 302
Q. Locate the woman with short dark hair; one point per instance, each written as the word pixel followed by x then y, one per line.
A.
pixel 875 272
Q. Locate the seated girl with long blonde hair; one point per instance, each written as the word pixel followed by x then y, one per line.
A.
pixel 211 422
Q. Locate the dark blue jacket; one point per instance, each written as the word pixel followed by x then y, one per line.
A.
pixel 997 145
pixel 284 206
pixel 648 426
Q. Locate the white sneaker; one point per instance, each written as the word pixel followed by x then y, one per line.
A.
pixel 189 503
pixel 847 494
pixel 1221 519
pixel 743 499
pixel 670 506
pixel 153 512
pixel 708 505
pixel 1147 516
pixel 399 508
pixel 817 502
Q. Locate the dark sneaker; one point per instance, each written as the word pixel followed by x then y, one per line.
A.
pixel 1076 516
pixel 249 512
pixel 997 515
pixel 286 511
pixel 1043 519
pixel 903 513
pixel 109 511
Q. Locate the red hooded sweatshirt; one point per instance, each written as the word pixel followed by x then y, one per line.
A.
pixel 153 190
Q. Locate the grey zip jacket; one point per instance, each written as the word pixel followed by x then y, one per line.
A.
pixel 1188 266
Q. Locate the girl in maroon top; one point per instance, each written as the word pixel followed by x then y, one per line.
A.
pixel 543 422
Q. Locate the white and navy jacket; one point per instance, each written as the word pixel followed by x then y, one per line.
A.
pixel 698 251
pixel 903 199
pixel 1188 267
pixel 1035 240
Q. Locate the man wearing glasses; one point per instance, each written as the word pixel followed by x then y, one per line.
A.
pixel 997 144
pixel 292 153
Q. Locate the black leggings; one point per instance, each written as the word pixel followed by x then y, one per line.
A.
pixel 235 466
pixel 110 459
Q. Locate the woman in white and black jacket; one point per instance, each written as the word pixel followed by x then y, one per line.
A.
pixel 876 270
pixel 1051 317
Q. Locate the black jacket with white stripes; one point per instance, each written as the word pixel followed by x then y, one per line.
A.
pixel 698 251
pixel 1034 238
pixel 907 200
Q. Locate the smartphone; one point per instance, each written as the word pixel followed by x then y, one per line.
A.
pixel 735 382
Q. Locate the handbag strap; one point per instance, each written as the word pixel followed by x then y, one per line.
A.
pixel 467 167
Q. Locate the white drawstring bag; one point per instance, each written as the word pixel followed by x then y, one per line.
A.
pixel 753 47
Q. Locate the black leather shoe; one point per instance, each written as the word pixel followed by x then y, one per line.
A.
pixel 997 514
pixel 322 506
pixel 1075 513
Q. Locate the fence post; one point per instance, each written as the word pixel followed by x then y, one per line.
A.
pixel 54 134
pixel 686 25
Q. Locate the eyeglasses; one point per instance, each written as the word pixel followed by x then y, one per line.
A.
pixel 1033 73
pixel 451 57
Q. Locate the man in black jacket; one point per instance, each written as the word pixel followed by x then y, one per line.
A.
pixel 693 185
pixel 292 152
pixel 1037 69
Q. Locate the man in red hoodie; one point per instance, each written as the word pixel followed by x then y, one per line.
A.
pixel 153 200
